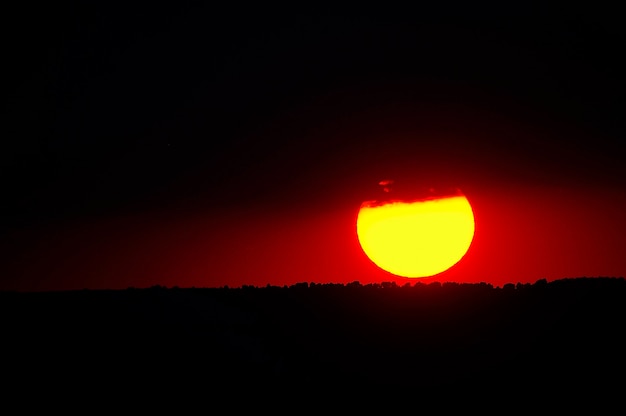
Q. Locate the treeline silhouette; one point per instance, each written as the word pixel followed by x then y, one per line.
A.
pixel 567 333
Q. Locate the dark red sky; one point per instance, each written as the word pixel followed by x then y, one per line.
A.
pixel 200 146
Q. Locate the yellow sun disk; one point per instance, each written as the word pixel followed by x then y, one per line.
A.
pixel 416 239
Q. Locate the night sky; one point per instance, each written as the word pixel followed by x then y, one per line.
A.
pixel 208 145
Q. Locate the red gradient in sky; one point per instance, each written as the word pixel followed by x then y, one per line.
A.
pixel 148 161
pixel 542 210
pixel 547 203
pixel 522 235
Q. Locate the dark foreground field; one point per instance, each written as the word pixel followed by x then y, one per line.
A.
pixel 566 335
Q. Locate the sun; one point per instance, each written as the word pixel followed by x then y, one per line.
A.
pixel 416 238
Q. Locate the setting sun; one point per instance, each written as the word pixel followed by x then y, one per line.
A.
pixel 416 238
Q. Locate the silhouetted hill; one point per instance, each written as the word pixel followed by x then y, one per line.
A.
pixel 565 334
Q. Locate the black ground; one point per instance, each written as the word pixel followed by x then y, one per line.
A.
pixel 565 335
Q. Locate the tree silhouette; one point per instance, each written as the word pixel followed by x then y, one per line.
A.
pixel 450 336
